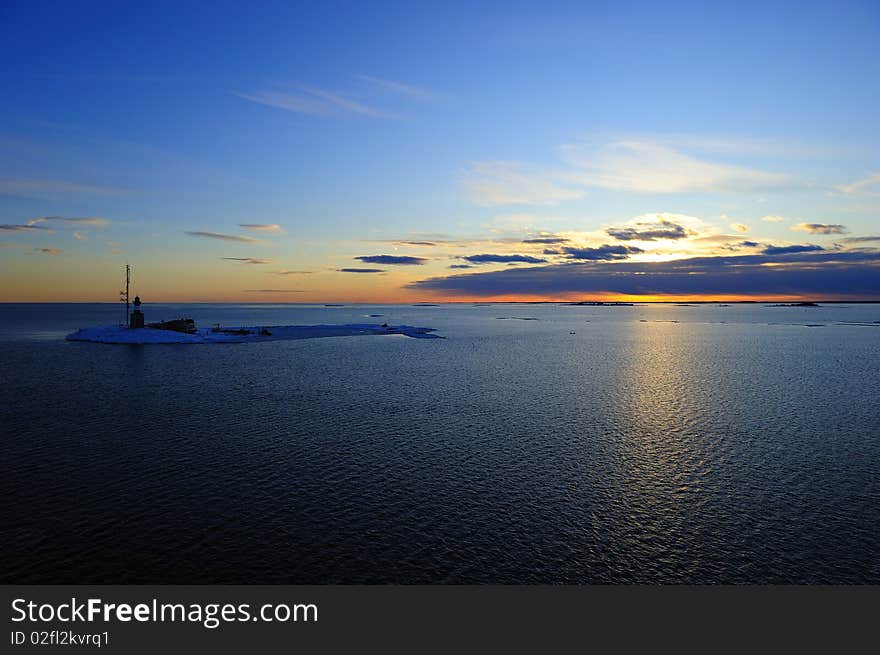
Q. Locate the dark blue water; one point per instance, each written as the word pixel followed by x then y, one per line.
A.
pixel 734 445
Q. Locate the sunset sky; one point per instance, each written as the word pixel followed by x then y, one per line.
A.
pixel 384 152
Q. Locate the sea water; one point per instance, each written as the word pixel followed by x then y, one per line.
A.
pixel 536 443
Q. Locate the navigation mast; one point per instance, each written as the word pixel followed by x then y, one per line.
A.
pixel 123 295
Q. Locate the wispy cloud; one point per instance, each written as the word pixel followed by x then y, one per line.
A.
pixel 49 251
pixel 40 223
pixel 632 165
pixel 313 101
pixel 859 185
pixel 512 183
pixel 93 221
pixel 773 219
pixel 649 167
pixel 41 187
pixel 427 242
pixel 865 239
pixel 730 144
pixel 43 223
pixel 289 272
pixel 291 102
pixel 401 88
pixel 273 228
pixel 273 290
pixel 740 227
pixel 346 104
pixel 225 237
pixel 248 260
pixel 361 270
pixel 21 227
pixel 449 241
pixel 400 260
pixel 819 228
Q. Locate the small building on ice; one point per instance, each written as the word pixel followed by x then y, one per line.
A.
pixel 137 316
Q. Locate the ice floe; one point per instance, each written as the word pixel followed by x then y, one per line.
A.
pixel 122 334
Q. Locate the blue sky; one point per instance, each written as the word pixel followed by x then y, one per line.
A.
pixel 357 127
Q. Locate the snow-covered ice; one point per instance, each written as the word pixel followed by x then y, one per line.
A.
pixel 122 334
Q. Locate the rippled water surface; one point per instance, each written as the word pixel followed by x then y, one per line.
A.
pixel 651 444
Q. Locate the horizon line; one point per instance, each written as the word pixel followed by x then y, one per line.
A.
pixel 454 302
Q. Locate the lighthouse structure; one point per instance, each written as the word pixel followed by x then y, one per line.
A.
pixel 137 316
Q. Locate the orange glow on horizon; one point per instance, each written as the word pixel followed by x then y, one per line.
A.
pixel 618 297
pixel 382 297
pixel 180 285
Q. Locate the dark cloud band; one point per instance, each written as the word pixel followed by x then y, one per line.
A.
pixel 790 250
pixel 814 273
pixel 547 240
pixel 602 253
pixel 649 231
pixel 224 237
pixel 820 228
pixel 396 260
pixel 504 259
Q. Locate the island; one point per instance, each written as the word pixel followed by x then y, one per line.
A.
pixel 121 334
pixel 796 304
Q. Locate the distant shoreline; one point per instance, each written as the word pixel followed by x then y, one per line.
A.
pixel 440 303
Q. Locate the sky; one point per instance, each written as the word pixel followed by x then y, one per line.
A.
pixel 439 151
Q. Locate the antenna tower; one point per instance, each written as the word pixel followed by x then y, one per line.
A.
pixel 123 295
